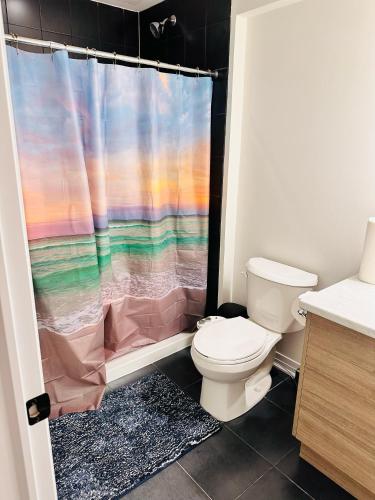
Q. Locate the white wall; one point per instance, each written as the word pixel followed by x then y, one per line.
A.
pixel 301 183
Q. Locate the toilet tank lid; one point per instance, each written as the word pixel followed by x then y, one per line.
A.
pixel 280 273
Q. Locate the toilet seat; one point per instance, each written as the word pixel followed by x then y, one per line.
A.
pixel 231 341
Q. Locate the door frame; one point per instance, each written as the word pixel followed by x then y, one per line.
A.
pixel 25 455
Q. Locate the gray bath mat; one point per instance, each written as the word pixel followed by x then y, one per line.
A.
pixel 139 429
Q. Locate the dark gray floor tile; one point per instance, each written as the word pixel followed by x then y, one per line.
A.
pixel 180 368
pixel 194 390
pixel 224 466
pixel 171 483
pixel 128 379
pixel 310 479
pixel 273 486
pixel 284 395
pixel 277 376
pixel 268 429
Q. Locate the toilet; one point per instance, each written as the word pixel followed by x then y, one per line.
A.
pixel 235 356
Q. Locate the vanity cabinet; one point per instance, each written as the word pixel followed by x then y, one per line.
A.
pixel 335 410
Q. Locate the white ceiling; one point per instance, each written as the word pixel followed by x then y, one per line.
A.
pixel 136 5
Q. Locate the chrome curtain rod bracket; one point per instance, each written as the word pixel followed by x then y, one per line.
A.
pixel 109 55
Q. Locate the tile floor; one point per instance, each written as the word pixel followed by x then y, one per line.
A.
pixel 254 456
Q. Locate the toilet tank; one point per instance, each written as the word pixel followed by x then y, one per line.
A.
pixel 272 294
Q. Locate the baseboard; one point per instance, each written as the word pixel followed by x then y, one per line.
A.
pixel 285 364
pixel 144 356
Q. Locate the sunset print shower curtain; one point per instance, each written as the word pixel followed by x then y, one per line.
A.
pixel 115 176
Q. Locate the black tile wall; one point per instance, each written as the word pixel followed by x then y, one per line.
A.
pixel 80 22
pixel 200 38
pixel 24 13
pixel 55 16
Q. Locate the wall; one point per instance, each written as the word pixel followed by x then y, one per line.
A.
pixel 200 38
pixel 76 22
pixel 304 183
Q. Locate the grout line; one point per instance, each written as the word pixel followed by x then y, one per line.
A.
pixel 139 34
pixel 247 444
pixel 193 383
pixel 284 456
pixel 254 482
pixel 295 484
pixel 277 385
pixel 279 407
pixel 199 486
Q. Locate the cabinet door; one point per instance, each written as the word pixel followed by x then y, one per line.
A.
pixel 335 413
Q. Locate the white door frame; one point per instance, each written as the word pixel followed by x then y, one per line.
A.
pixel 25 453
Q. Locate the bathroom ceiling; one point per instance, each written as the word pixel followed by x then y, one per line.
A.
pixel 136 5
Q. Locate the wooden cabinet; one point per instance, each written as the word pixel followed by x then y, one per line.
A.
pixel 335 410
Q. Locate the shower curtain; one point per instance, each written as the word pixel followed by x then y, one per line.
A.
pixel 115 175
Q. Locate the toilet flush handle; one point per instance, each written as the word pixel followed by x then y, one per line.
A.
pixel 302 312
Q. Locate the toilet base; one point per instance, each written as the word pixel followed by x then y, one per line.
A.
pixel 228 401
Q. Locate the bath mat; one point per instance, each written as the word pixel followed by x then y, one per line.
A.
pixel 139 429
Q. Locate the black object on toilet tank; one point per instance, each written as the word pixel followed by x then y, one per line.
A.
pixel 232 310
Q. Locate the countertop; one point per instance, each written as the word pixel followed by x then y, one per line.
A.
pixel 349 303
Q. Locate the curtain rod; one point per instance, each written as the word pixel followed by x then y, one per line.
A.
pixel 106 55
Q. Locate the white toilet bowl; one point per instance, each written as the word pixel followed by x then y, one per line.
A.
pixel 235 357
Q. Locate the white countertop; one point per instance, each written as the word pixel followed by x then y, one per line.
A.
pixel 349 303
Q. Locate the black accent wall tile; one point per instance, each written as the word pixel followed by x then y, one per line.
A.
pixel 175 51
pixel 217 44
pixel 24 13
pixel 195 48
pixel 219 95
pixel 84 42
pixel 112 47
pixel 216 177
pixel 84 19
pixel 217 135
pixel 55 15
pixel 29 33
pixel 131 51
pixel 218 11
pixel 111 25
pixel 56 37
pixel 194 14
pixel 131 28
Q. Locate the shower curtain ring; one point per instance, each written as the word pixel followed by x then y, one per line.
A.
pixel 139 62
pixel 114 60
pixel 94 50
pixel 15 37
pixel 158 65
pixel 87 54
pixel 197 68
pixel 179 70
pixel 51 50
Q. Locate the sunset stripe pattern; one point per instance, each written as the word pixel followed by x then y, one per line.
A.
pixel 114 165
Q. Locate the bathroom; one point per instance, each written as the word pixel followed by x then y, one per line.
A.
pixel 256 378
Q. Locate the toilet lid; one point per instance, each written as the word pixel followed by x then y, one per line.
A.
pixel 231 340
